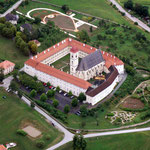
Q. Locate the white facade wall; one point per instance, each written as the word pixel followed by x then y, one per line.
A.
pixel 101 95
pixel 54 81
pixel 120 69
pixel 87 75
pixel 8 70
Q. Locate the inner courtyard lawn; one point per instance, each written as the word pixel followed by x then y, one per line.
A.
pixel 130 141
pixel 8 51
pixel 14 114
pixel 62 63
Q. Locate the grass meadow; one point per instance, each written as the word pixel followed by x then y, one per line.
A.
pixel 14 114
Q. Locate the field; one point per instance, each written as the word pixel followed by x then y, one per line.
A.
pixel 15 115
pixel 131 141
pixel 133 104
pixel 99 8
pixel 8 51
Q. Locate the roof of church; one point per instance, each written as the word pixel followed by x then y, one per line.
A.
pixel 90 61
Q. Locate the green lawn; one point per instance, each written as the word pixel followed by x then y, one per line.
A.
pixel 99 8
pixel 130 141
pixel 62 62
pixel 14 115
pixel 33 5
pixel 122 42
pixel 8 51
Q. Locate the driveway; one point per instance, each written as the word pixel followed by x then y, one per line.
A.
pixel 6 82
pixel 134 19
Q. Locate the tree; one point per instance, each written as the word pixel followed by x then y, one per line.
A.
pixel 32 104
pixel 81 97
pixel 91 29
pixel 57 88
pixel 79 142
pixel 83 36
pixel 50 93
pixel 43 97
pixel 13 86
pixel 15 73
pixel 82 143
pixel 65 8
pixel 51 24
pixel 33 93
pixel 37 20
pixel 66 109
pixel 55 103
pixel 74 102
pixel 128 4
pixel 1 75
pixel 19 93
pixel 70 93
pixel 48 84
pixel 83 110
pixel 34 48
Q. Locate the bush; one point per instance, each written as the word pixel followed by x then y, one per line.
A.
pixel 40 144
pixel 21 132
pixel 135 23
pixel 47 137
pixel 110 114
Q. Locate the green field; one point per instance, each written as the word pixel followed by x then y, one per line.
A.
pixel 131 141
pixel 14 115
pixel 99 8
pixel 8 51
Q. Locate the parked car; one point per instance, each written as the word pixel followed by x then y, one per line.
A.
pixel 54 89
pixel 72 97
pixel 77 113
pixel 60 91
pixel 44 84
pixel 50 87
pixel 65 94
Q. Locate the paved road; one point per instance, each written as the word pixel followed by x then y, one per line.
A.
pixel 11 8
pixel 116 132
pixel 6 82
pixel 134 19
pixel 68 136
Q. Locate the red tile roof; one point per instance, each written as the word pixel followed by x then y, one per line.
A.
pixel 58 74
pixel 6 64
pixel 74 50
pixel 2 147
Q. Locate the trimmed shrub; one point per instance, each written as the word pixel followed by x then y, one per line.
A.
pixel 40 144
pixel 47 137
pixel 21 132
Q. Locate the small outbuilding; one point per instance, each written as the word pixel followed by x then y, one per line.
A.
pixel 7 67
pixel 12 18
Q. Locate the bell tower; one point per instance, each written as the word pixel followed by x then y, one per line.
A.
pixel 74 60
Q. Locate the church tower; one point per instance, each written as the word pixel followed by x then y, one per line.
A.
pixel 74 60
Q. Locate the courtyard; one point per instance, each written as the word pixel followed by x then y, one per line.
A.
pixel 63 64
